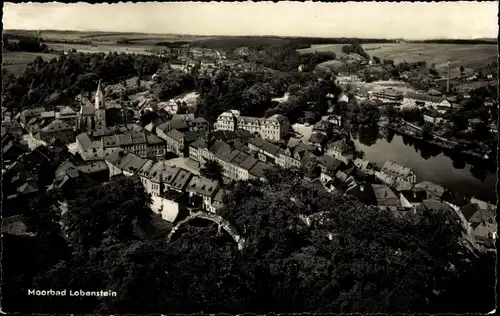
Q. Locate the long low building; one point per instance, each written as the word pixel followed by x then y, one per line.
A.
pixel 236 165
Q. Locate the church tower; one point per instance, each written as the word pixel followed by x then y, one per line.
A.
pixel 100 108
pixel 99 97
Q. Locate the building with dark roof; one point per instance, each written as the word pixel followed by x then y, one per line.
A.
pixel 57 129
pixel 141 143
pixel 204 188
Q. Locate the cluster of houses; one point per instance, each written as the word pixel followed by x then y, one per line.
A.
pixel 245 147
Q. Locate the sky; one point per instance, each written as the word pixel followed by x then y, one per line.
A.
pixel 286 18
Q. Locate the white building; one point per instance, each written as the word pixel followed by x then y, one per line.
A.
pixel 273 128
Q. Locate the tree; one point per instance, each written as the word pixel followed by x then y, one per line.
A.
pixel 462 70
pixel 426 130
pixel 106 212
pixel 212 170
pixel 459 121
pixel 376 59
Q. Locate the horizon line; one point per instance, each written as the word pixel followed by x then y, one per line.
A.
pixel 254 35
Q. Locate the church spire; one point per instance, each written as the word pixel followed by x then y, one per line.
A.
pixel 99 97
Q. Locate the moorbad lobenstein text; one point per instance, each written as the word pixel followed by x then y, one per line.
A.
pixel 70 293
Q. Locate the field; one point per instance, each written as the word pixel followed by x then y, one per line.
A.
pixel 469 56
pixel 100 42
pixel 105 37
pixel 15 62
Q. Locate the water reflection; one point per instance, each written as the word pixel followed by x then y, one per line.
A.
pixel 449 169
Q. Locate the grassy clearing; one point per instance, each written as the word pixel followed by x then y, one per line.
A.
pixel 469 56
pixel 105 48
pixel 107 37
pixel 16 62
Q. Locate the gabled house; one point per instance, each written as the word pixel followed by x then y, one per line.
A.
pixel 364 192
pixel 386 198
pixel 412 198
pixel 329 167
pixel 204 188
pixel 480 223
pixel 399 172
pixel 434 191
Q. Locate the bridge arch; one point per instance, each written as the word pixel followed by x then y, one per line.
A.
pixel 213 218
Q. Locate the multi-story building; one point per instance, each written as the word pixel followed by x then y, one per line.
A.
pixel 273 128
pixel 57 129
pixel 399 172
pixel 139 143
pixel 204 188
pixel 175 142
pixel 157 177
pixel 387 95
pixel 236 164
pixel 266 151
pixel 293 155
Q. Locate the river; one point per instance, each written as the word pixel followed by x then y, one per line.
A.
pixel 429 163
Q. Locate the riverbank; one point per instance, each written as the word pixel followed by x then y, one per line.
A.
pixel 429 163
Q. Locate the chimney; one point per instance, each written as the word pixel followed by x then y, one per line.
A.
pixel 448 79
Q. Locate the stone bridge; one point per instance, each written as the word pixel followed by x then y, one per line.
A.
pixel 213 218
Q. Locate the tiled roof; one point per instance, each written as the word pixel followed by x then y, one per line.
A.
pixel 199 143
pixel 153 139
pixel 361 163
pixel 138 137
pixel 181 179
pixel 124 139
pixel 48 114
pixel 223 153
pixel 27 188
pixel 217 145
pixel 256 141
pixel 292 142
pixel 414 196
pixel 203 186
pixel 178 124
pixel 436 205
pixel 56 126
pixel 398 169
pixel 239 158
pixel 110 141
pixel 329 162
pixel 191 136
pixel 317 138
pixel 175 135
pixel 248 163
pixel 135 164
pixel 431 187
pixel 259 169
pixel 67 111
pixel 270 148
pixel 84 140
pixel 96 166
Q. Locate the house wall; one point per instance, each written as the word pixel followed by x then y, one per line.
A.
pixel 113 170
pixel 67 136
pixel 431 119
pixel 169 210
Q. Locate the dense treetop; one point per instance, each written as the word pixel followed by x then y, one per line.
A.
pixel 351 258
